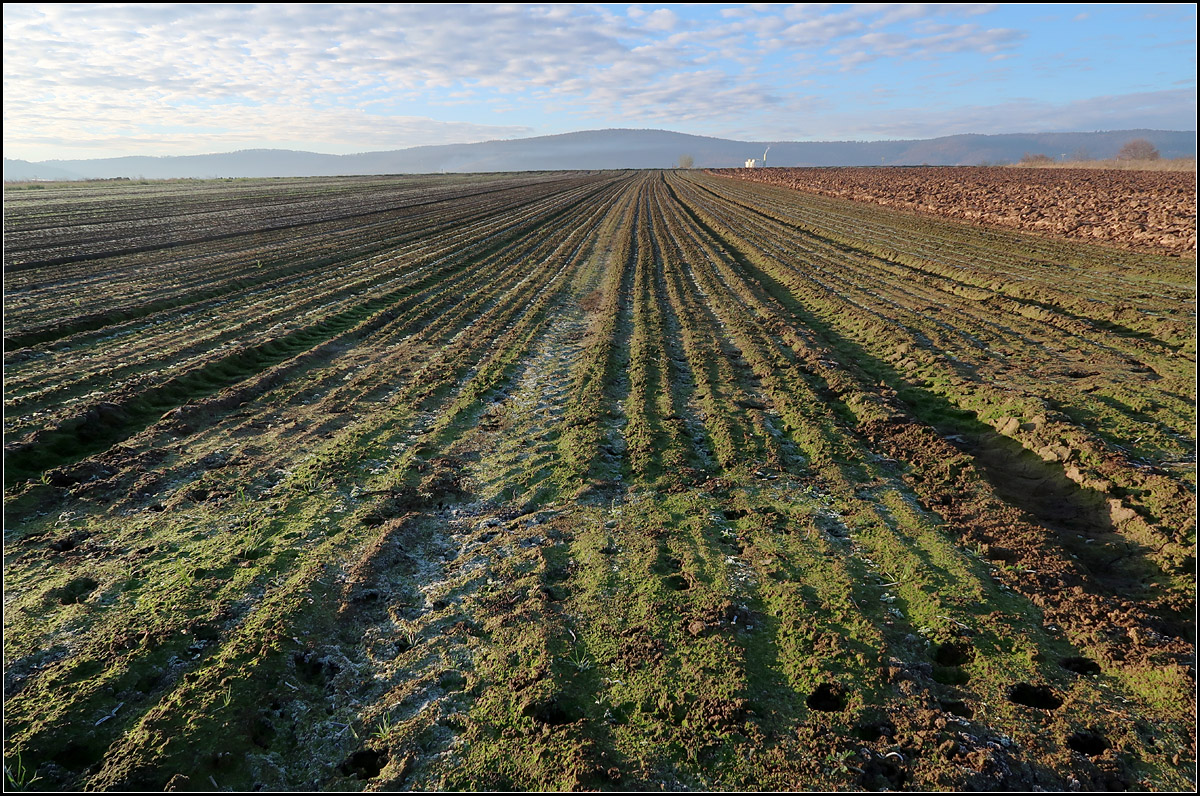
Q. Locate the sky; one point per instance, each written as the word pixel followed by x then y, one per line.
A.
pixel 89 81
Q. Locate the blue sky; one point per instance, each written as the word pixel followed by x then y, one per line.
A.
pixel 103 81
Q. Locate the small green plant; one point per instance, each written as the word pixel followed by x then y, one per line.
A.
pixel 839 761
pixel 580 660
pixel 312 482
pixel 385 727
pixel 408 638
pixel 183 572
pixel 17 776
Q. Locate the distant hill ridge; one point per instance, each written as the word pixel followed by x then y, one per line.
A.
pixel 611 149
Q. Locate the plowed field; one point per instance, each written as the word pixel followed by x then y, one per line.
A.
pixel 639 480
pixel 1152 211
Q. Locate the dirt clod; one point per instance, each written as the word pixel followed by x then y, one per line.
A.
pixel 1148 210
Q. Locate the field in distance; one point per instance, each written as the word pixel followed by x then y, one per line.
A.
pixel 1141 209
pixel 588 480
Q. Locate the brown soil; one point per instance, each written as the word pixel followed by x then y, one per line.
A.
pixel 1143 210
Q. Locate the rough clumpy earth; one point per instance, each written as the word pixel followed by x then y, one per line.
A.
pixel 1143 210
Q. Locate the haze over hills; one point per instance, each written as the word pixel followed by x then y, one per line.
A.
pixel 611 149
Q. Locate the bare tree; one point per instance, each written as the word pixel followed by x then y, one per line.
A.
pixel 686 161
pixel 1138 149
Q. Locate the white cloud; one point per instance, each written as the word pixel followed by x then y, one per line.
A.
pixel 267 72
pixel 1163 110
pixel 662 20
pixel 936 40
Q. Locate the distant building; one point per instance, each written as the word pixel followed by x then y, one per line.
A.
pixel 751 163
